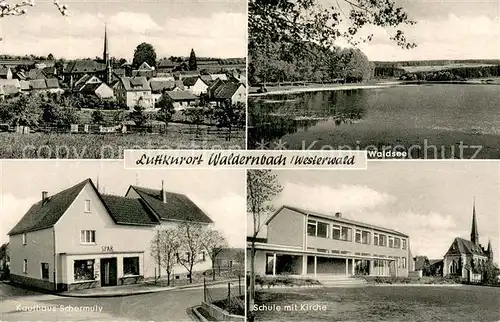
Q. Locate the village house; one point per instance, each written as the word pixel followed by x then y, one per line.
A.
pixel 84 80
pixel 76 69
pixel 81 238
pixel 144 71
pixel 228 92
pixel 195 85
pixel 134 90
pixel 181 99
pixel 100 90
pixel 158 86
pixel 302 242
pixel 5 73
pixel 165 66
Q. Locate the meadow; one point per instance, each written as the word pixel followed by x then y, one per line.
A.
pixel 377 303
pixel 111 146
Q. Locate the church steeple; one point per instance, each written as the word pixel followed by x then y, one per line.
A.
pixel 490 250
pixel 474 235
pixel 105 57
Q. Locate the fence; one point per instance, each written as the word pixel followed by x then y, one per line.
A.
pixel 233 302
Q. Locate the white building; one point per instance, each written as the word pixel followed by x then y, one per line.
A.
pixel 80 238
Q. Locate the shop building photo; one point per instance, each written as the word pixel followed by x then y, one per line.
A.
pixel 113 227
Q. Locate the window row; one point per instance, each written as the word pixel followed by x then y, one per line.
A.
pixel 339 232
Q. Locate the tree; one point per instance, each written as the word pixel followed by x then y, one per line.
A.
pixel 144 53
pixel 228 115
pixel 296 21
pixel 97 116
pixel 138 115
pixel 191 240
pixel 192 61
pixel 262 188
pixel 167 110
pixel 213 242
pixel 491 272
pixel 50 57
pixel 24 110
pixel 18 9
pixel 195 116
pixel 164 249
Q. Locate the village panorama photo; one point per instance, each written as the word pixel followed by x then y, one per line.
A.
pixel 88 240
pixel 106 76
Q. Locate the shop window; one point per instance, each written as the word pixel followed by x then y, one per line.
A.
pixel 131 266
pixel 84 270
pixel 45 271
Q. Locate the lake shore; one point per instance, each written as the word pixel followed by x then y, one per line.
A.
pixel 290 89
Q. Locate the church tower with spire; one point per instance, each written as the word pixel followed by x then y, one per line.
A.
pixel 105 57
pixel 474 234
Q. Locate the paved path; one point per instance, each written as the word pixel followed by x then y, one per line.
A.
pixel 162 306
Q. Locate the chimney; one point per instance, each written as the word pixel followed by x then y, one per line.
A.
pixel 44 196
pixel 163 193
pixel 338 214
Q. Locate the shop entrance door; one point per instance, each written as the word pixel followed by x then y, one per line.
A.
pixel 108 272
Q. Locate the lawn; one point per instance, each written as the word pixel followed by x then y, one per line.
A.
pixel 111 146
pixel 375 303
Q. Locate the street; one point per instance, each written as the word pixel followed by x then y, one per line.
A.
pixel 22 305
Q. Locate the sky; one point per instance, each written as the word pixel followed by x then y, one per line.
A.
pixel 429 201
pixel 173 27
pixel 219 193
pixel 450 29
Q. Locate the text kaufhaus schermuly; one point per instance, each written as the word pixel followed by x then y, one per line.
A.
pixel 240 159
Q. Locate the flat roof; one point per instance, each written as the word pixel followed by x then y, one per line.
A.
pixel 337 219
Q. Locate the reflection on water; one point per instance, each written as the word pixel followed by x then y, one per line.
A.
pixel 272 118
pixel 442 113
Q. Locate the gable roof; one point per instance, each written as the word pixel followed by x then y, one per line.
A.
pixel 90 88
pixel 226 90
pixel 338 219
pixel 9 89
pixel 52 83
pixel 463 246
pixel 166 63
pixel 132 84
pixel 4 71
pixel 36 74
pixel 84 66
pixel 145 67
pixel 38 84
pixel 129 211
pixel 157 86
pixel 181 95
pixel 13 82
pixel 190 81
pixel 44 215
pixel 178 207
pixel 229 253
pixel 420 262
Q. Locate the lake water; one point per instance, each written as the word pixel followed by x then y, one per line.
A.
pixel 449 117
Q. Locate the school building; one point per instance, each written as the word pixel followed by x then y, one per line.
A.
pixel 81 238
pixel 302 242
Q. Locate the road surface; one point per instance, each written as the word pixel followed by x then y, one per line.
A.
pixel 22 305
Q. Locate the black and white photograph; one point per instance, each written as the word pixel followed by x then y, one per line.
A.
pixel 414 76
pixel 87 79
pixel 402 240
pixel 88 240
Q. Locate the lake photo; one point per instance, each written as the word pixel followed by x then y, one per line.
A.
pixel 447 116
